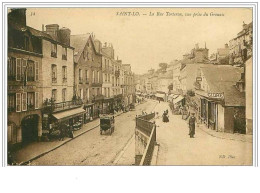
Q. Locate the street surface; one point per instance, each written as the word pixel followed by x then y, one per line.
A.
pixel 177 148
pixel 92 148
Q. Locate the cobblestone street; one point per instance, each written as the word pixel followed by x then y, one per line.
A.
pixel 92 148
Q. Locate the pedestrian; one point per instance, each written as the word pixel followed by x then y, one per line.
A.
pixel 192 121
pixel 62 131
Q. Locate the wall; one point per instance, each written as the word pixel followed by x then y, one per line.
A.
pixel 229 119
pixel 249 96
pixel 220 118
pixel 47 62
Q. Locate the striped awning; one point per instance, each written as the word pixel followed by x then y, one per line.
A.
pixel 178 99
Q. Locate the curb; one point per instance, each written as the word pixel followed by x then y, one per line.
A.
pixel 58 146
pixel 224 137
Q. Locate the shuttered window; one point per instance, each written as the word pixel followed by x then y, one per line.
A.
pixel 18 102
pixel 24 101
pixel 24 71
pixel 36 100
pixel 18 69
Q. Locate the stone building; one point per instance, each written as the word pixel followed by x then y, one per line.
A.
pixel 88 73
pixel 240 47
pixel 220 105
pixel 25 80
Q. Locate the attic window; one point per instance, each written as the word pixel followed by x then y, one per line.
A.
pixel 88 44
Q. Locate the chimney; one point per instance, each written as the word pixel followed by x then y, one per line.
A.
pixel 226 45
pixel 52 30
pixel 18 16
pixel 42 27
pixel 64 36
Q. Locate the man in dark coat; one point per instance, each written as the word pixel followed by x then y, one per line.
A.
pixel 192 121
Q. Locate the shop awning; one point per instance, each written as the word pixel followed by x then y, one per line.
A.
pixel 172 96
pixel 160 95
pixel 178 99
pixel 68 114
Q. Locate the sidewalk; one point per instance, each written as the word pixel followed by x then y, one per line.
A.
pixel 228 136
pixel 37 149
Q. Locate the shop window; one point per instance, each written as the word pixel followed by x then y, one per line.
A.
pixel 31 71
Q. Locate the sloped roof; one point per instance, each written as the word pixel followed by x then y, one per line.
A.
pixel 78 42
pixel 223 78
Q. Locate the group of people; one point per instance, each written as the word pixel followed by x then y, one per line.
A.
pixel 191 122
pixel 165 116
pixel 65 131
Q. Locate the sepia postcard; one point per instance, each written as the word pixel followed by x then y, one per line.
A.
pixel 129 86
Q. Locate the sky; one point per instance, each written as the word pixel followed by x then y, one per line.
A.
pixel 146 40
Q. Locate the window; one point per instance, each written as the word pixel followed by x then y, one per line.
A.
pixel 30 100
pixel 98 78
pixel 80 76
pixel 98 91
pixel 26 42
pixel 87 93
pixel 18 102
pixel 63 94
pixel 93 91
pixel 108 77
pixel 30 71
pixel 93 76
pixel 24 69
pixel 24 101
pixel 64 73
pixel 11 68
pixel 54 50
pixel 36 71
pixel 84 54
pixel 86 76
pixel 105 77
pixel 54 94
pixel 64 53
pixel 11 102
pixel 54 72
pixel 36 100
pixel 81 93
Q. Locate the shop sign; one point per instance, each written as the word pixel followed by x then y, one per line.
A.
pixel 216 95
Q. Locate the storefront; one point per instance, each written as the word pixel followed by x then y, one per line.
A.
pixel 73 118
pixel 88 115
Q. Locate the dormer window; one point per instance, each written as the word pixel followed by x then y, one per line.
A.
pixel 64 53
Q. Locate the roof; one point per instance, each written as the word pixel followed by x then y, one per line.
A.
pixel 223 51
pixel 223 78
pixel 78 42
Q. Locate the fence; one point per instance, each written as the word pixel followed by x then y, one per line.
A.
pixel 145 139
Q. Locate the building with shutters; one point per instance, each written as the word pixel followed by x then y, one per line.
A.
pixel 25 80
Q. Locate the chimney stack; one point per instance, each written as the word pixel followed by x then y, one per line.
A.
pixel 18 16
pixel 52 30
pixel 43 27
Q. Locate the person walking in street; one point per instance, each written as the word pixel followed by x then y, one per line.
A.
pixel 62 132
pixel 192 121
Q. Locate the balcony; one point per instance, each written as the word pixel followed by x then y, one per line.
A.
pixel 67 105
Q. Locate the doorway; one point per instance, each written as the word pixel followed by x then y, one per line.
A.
pixel 30 128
